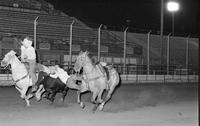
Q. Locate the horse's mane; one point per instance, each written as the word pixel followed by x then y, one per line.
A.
pixel 91 57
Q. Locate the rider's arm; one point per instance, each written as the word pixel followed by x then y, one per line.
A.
pixel 22 53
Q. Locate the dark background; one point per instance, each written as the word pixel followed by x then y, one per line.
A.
pixel 140 14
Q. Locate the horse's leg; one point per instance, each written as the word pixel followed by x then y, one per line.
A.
pixel 26 97
pixel 23 94
pixel 46 95
pixel 114 81
pixel 99 98
pixel 53 94
pixel 93 100
pixel 82 105
pixel 39 92
pixel 108 97
pixel 29 96
pixel 64 93
pixel 19 91
pixel 27 101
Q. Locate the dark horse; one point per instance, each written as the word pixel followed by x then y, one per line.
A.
pixel 50 87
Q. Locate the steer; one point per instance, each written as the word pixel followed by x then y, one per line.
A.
pixel 50 86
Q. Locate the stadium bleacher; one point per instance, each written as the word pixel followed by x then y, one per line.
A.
pixel 17 18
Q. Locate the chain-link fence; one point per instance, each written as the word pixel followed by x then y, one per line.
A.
pixel 58 40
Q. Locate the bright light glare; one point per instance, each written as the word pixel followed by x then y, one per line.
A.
pixel 172 6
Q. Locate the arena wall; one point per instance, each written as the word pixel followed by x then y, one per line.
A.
pixel 6 79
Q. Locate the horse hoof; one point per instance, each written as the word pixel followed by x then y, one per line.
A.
pixel 38 100
pixel 82 105
pixel 61 100
pixel 94 109
pixel 28 105
pixel 22 96
pixel 100 107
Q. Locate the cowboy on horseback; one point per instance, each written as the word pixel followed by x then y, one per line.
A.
pixel 28 55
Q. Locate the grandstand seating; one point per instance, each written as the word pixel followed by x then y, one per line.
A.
pixel 57 27
pixel 18 21
pixel 17 4
pixel 155 46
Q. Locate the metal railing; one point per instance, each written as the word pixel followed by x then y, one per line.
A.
pixel 137 70
pixel 155 70
pixel 133 74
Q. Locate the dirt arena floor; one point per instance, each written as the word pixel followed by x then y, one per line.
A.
pixel 131 105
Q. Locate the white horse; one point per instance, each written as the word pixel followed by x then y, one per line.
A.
pixel 20 75
pixel 95 80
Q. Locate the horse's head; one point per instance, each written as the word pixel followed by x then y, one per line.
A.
pixel 81 60
pixel 8 58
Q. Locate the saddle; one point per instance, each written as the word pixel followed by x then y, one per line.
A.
pixel 104 70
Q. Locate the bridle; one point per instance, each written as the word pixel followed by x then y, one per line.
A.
pixel 5 67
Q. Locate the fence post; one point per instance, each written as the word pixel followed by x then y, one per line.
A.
pixel 99 42
pixel 187 54
pixel 161 30
pixel 148 51
pixel 168 52
pixel 70 41
pixel 125 35
pixel 35 31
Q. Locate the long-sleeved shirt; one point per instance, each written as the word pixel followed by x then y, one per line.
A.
pixel 60 73
pixel 28 53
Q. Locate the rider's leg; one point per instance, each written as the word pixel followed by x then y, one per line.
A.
pixel 32 73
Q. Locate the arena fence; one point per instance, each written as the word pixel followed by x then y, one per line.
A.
pixel 133 75
pixel 70 36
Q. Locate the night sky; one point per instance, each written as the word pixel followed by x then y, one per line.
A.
pixel 142 14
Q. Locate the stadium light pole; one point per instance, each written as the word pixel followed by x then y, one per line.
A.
pixel 161 30
pixel 148 53
pixel 173 6
pixel 125 37
pixel 187 54
pixel 168 52
pixel 35 31
pixel 99 42
pixel 70 41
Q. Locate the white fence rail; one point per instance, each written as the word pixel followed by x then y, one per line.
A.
pixel 6 79
pixel 159 78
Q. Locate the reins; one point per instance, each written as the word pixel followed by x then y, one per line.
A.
pixel 6 66
pixel 20 78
